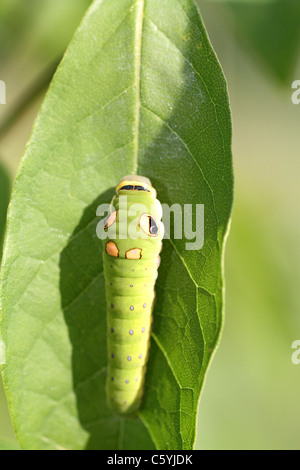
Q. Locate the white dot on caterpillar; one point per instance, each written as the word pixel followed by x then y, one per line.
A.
pixel 143 330
pixel 128 358
pixel 131 307
pixel 145 305
pixel 131 285
pixel 140 356
pixel 127 381
pixel 131 332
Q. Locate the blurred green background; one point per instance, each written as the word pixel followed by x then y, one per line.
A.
pixel 250 399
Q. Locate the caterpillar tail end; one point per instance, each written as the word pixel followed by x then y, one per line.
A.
pixel 123 405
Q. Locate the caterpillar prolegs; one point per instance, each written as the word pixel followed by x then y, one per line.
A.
pixel 131 259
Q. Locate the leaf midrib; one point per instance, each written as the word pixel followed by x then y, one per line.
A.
pixel 139 35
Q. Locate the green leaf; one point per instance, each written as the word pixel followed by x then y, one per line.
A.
pixel 139 91
pixel 271 29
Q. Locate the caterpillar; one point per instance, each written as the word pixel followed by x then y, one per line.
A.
pixel 131 260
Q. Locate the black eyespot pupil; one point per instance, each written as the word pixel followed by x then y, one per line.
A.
pixel 130 187
pixel 141 188
pixel 153 228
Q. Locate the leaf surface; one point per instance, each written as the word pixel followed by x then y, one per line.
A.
pixel 138 91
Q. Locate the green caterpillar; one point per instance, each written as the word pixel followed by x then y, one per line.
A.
pixel 131 259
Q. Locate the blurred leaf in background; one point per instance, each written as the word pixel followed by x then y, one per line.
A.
pixel 6 444
pixel 33 36
pixel 14 15
pixel 7 438
pixel 271 29
pixel 4 200
pixel 44 27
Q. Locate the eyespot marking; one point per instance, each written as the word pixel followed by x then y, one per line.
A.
pixel 148 225
pixel 112 249
pixel 134 253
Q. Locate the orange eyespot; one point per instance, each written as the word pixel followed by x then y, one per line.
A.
pixel 112 249
pixel 148 225
pixel 134 253
pixel 110 220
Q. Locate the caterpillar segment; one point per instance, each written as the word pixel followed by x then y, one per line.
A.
pixel 130 268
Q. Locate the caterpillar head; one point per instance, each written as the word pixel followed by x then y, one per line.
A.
pixel 134 184
pixel 134 226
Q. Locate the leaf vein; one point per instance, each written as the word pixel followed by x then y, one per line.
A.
pixel 189 152
pixel 83 291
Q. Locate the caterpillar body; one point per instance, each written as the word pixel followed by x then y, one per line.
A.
pixel 130 269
